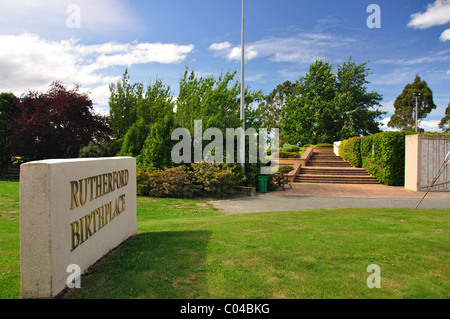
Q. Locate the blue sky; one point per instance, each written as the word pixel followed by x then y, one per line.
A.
pixel 92 42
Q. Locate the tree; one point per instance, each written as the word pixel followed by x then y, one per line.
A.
pixel 272 110
pixel 158 145
pixel 8 112
pixel 152 106
pixel 358 108
pixel 124 103
pixel 308 114
pixel 134 140
pixel 327 107
pixel 56 124
pixel 216 102
pixel 445 122
pixel 405 105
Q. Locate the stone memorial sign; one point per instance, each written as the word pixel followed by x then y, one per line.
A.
pixel 72 212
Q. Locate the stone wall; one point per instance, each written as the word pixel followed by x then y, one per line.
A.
pixel 72 212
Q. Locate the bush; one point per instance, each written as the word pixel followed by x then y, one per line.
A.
pixel 382 155
pixel 95 150
pixel 214 180
pixel 324 145
pixel 187 181
pixel 350 151
pixel 290 148
pixel 174 182
pixel 319 145
pixel 114 145
pixel 146 181
pixel 284 169
pixel 283 154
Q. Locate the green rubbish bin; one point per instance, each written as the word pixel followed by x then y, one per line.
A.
pixel 262 183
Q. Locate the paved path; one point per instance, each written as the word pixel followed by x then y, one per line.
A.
pixel 317 196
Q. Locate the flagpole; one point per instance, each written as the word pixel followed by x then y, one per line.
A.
pixel 243 85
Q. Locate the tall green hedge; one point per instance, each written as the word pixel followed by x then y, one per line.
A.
pixel 382 155
pixel 350 151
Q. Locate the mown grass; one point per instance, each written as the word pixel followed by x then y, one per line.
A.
pixel 187 249
pixel 9 240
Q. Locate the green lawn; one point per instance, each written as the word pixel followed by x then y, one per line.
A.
pixel 186 249
pixel 9 241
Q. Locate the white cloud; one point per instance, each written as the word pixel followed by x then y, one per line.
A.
pixel 254 78
pixel 220 46
pixel 430 125
pixel 388 107
pixel 438 57
pixel 385 127
pixel 100 16
pixel 445 35
pixel 143 53
pixel 236 53
pixel 29 62
pixel 302 48
pixel 99 94
pixel 427 125
pixel 396 76
pixel 436 14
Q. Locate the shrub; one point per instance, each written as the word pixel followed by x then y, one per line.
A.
pixel 350 151
pixel 382 155
pixel 174 182
pixel 290 148
pixel 324 145
pixel 115 146
pixel 147 180
pixel 283 154
pixel 214 180
pixel 187 181
pixel 319 145
pixel 284 169
pixel 95 150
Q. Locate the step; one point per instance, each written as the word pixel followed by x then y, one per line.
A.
pixel 332 169
pixel 337 179
pixel 336 182
pixel 306 171
pixel 343 177
pixel 324 155
pixel 333 159
pixel 328 164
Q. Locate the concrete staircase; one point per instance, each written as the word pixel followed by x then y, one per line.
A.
pixel 329 168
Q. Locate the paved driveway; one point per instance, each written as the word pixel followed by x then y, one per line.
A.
pixel 316 196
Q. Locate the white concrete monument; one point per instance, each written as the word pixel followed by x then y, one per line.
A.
pixel 72 212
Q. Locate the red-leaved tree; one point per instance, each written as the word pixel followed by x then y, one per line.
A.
pixel 56 124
